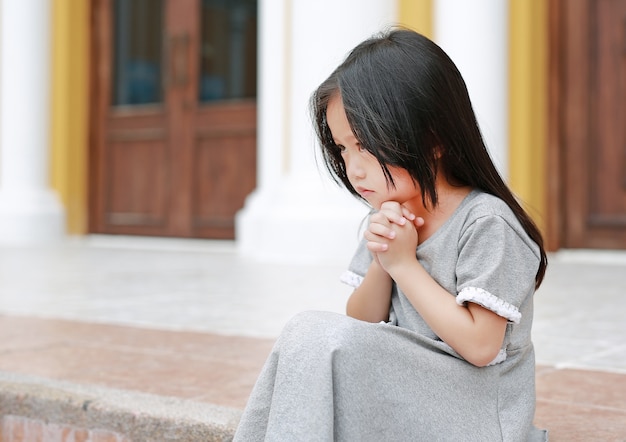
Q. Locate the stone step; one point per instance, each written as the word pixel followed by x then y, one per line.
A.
pixel 75 381
pixel 34 409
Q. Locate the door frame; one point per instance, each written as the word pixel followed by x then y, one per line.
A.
pixel 96 112
pixel 555 209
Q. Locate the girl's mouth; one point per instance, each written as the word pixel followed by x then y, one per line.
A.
pixel 364 192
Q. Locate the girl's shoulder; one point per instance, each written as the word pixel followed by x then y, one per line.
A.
pixel 483 213
pixel 478 205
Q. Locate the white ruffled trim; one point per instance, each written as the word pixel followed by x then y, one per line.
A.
pixel 500 357
pixel 490 302
pixel 351 278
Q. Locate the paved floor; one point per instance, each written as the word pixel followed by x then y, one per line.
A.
pixel 194 319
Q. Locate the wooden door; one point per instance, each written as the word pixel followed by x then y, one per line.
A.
pixel 588 123
pixel 173 123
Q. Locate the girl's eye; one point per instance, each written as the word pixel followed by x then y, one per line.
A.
pixel 341 148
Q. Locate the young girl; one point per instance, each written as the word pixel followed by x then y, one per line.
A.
pixel 436 344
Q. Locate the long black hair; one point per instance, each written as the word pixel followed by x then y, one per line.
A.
pixel 408 105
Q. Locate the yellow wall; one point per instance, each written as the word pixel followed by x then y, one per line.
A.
pixel 528 101
pixel 69 109
pixel 417 15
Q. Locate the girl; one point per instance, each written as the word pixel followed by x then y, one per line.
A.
pixel 436 342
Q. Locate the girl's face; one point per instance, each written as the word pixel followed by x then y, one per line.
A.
pixel 363 169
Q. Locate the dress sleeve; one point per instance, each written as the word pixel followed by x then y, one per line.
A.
pixel 496 267
pixel 358 266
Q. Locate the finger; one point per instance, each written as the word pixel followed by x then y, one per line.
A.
pixel 391 205
pixel 388 216
pixel 393 216
pixel 408 214
pixel 377 247
pixel 381 230
pixel 418 222
pixel 379 218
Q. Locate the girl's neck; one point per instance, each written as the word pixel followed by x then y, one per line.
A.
pixel 449 198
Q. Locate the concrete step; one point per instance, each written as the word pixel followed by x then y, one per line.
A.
pixel 74 381
pixel 34 409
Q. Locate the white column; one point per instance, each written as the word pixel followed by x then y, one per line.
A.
pixel 297 214
pixel 475 35
pixel 29 209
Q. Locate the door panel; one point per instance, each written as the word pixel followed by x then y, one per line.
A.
pixel 225 161
pixel 137 179
pixel 588 79
pixel 607 204
pixel 218 184
pixel 224 123
pixel 173 116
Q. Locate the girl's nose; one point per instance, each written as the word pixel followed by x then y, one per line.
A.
pixel 354 168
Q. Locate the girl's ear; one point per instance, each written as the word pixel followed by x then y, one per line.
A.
pixel 438 152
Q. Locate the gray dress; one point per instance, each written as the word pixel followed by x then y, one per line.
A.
pixel 332 377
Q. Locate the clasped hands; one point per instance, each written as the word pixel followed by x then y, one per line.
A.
pixel 392 235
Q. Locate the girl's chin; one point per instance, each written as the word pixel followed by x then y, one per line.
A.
pixel 375 204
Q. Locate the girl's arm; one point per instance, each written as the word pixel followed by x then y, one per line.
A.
pixel 370 301
pixel 472 331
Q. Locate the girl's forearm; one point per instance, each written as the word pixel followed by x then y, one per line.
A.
pixel 474 332
pixel 371 300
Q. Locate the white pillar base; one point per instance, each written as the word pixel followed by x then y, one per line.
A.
pixel 31 217
pixel 301 221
